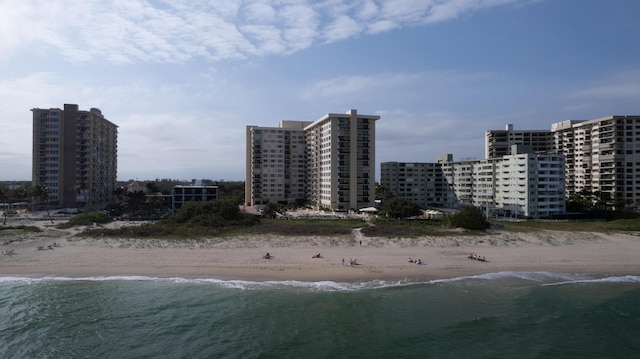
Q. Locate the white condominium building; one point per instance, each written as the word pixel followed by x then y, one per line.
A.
pixel 602 156
pixel 75 156
pixel 530 185
pixel 523 184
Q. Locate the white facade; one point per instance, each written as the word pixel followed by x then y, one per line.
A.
pixel 602 157
pixel 530 185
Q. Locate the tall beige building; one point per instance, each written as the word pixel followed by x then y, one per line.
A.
pixel 275 164
pixel 341 158
pixel 328 163
pixel 74 156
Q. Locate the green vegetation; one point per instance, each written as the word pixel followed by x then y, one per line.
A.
pixel 23 228
pixel 302 227
pixel 406 228
pixel 85 219
pixel 400 208
pixel 223 218
pixel 613 226
pixel 468 217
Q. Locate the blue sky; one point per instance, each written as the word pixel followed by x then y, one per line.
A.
pixel 183 79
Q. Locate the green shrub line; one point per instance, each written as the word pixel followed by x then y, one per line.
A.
pixel 224 219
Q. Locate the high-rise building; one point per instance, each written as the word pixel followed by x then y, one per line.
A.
pixel 602 157
pixel 275 164
pixel 498 142
pixel 340 155
pixel 74 156
pixel 328 163
pixel 423 183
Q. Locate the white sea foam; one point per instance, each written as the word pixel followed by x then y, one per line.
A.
pixel 232 284
pixel 543 278
pixel 619 279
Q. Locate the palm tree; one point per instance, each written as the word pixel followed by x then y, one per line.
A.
pixel 3 196
pixel 81 188
pixel 40 195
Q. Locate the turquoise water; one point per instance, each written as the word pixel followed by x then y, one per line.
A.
pixel 500 315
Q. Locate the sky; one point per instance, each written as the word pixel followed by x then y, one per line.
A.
pixel 183 78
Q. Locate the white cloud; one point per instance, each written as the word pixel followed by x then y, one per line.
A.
pixel 625 85
pixel 176 31
pixel 342 28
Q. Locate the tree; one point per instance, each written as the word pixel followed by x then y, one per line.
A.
pixel 271 209
pixel 468 217
pixel 81 188
pixel 40 195
pixel 383 193
pixel 400 208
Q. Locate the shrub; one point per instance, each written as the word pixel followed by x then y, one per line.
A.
pixel 468 217
pixel 401 208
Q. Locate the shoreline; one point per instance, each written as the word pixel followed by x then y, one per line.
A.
pixel 240 258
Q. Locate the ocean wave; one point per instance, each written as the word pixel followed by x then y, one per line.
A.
pixel 231 284
pixel 526 276
pixel 618 279
pixel 540 278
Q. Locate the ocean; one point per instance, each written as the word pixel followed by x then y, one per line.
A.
pixel 499 315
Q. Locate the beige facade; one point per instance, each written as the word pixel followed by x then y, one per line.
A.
pixel 328 163
pixel 498 142
pixel 275 164
pixel 420 182
pixel 75 156
pixel 340 157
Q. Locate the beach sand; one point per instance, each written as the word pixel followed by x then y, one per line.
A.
pixel 378 258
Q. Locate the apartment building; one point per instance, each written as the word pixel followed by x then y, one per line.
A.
pixel 328 163
pixel 74 156
pixel 522 184
pixel 340 157
pixel 275 164
pixel 420 182
pixel 530 184
pixel 498 142
pixel 602 157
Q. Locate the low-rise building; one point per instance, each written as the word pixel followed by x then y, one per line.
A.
pixel 195 193
pixel 522 184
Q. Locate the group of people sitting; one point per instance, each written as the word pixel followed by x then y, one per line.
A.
pixel 417 261
pixel 477 257
pixel 352 262
pixel 50 246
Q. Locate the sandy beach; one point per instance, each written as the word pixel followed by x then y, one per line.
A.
pixel 377 258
